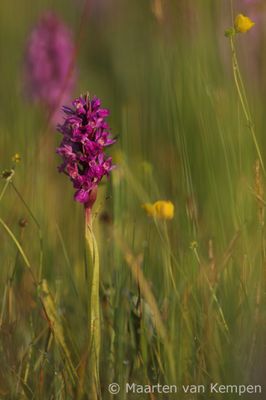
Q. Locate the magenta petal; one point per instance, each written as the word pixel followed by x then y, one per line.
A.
pixel 82 196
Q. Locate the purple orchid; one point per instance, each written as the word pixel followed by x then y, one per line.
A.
pixel 49 69
pixel 86 134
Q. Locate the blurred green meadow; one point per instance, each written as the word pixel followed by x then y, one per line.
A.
pixel 182 301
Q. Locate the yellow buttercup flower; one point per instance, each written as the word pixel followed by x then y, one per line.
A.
pixel 16 158
pixel 149 208
pixel 243 23
pixel 161 209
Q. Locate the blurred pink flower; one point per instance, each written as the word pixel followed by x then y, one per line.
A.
pixel 50 73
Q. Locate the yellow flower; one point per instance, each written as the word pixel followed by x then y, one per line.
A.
pixel 161 209
pixel 149 208
pixel 16 158
pixel 243 24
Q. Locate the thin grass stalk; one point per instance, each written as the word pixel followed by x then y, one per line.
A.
pixel 57 329
pixel 38 227
pixel 243 100
pixel 7 182
pixel 145 290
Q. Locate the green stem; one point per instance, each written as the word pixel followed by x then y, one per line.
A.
pixel 93 304
pixel 243 100
pixel 18 245
pixel 8 181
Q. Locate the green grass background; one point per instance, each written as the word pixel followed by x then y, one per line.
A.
pixel 182 137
